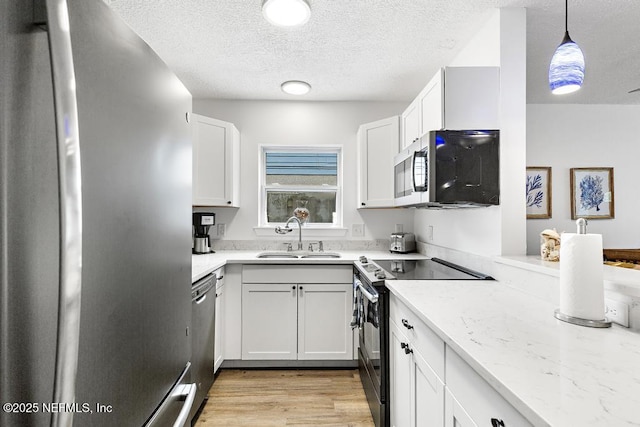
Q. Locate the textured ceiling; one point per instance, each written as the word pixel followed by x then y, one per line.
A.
pixel 383 50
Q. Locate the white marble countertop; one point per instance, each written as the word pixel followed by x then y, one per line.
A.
pixel 201 265
pixel 552 372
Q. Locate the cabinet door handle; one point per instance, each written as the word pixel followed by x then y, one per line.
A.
pixel 406 347
pixel 496 422
pixel 406 324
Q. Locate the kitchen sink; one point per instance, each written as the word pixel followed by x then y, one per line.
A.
pixel 276 254
pixel 297 254
pixel 321 255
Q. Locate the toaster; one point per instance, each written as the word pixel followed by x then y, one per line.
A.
pixel 402 243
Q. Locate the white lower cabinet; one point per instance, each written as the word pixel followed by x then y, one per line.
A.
pixel 428 392
pixel 400 375
pixel 269 321
pixel 297 321
pixel 218 346
pixel 454 413
pixel 417 393
pixel 476 398
pixel 432 386
pixel 324 317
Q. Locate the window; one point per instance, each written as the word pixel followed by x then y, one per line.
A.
pixel 303 182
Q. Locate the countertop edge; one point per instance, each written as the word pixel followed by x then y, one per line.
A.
pixel 201 265
pixel 619 279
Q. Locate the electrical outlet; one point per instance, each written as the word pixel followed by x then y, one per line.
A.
pixel 617 312
pixel 357 230
pixel 222 229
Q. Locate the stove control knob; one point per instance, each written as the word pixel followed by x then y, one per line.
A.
pixel 363 259
pixel 380 274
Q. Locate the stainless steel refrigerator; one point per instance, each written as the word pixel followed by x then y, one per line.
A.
pixel 95 222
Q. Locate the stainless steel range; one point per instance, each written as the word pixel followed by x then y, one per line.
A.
pixel 371 317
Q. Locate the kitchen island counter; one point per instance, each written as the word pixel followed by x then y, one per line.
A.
pixel 552 372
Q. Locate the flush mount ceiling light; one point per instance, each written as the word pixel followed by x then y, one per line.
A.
pixel 566 71
pixel 286 13
pixel 295 87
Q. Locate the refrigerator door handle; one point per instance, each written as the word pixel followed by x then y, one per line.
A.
pixel 181 391
pixel 188 391
pixel 70 191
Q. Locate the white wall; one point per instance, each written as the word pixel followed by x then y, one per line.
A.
pixel 567 136
pixel 501 41
pixel 499 230
pixel 301 123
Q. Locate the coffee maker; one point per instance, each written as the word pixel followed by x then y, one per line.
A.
pixel 202 222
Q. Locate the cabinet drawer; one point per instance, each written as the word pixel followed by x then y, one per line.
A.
pixel 422 338
pixel 292 273
pixel 481 401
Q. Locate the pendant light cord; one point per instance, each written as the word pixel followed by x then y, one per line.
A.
pixel 566 23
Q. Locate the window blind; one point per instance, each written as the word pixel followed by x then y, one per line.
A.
pixel 302 163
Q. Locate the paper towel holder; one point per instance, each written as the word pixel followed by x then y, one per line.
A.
pixel 581 225
pixel 604 323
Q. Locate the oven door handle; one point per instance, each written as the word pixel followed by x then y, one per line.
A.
pixel 371 297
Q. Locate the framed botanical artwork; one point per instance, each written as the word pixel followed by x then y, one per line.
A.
pixel 592 193
pixel 538 192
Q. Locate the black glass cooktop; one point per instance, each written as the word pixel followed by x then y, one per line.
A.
pixel 429 269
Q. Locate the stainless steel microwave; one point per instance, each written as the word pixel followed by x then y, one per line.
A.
pixel 449 168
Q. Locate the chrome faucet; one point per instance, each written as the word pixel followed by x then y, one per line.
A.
pixel 286 229
pixel 320 246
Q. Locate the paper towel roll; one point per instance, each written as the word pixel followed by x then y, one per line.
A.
pixel 581 278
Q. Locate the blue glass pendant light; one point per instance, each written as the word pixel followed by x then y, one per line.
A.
pixel 566 71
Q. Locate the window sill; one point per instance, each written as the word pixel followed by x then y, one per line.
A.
pixel 262 231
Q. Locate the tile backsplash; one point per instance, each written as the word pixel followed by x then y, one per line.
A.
pixel 329 245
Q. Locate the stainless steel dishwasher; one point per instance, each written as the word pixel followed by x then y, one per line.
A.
pixel 203 308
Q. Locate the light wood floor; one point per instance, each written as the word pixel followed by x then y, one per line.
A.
pixel 286 398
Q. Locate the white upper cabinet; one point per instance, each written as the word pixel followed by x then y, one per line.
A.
pixel 411 128
pixel 216 162
pixel 432 106
pixel 455 98
pixel 378 143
